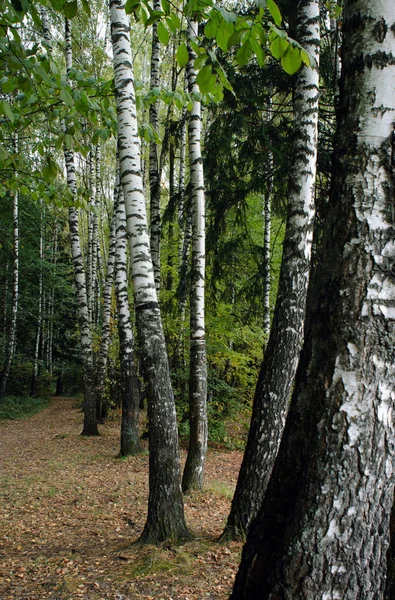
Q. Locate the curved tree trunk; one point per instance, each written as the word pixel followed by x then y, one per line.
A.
pixel 282 352
pixel 165 518
pixel 90 421
pixel 323 531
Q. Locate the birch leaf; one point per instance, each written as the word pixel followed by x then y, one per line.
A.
pixel 274 11
pixel 70 9
pixel 291 60
pixel 163 34
pixel 182 55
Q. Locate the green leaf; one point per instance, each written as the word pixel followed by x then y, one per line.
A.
pixel 166 6
pixel 7 110
pixel 66 97
pixel 70 9
pixel 244 53
pixel 131 6
pixel 8 85
pixel 50 170
pixel 258 50
pixel 278 47
pixel 68 141
pixel 205 79
pixel 291 60
pixel 224 32
pixel 182 55
pixel 274 11
pixel 163 34
pixel 86 7
pixel 305 57
pixel 4 155
pixel 199 62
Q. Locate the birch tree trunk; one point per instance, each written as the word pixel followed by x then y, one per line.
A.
pixel 15 294
pixel 194 466
pixel 40 300
pixel 154 170
pixel 130 392
pixel 323 531
pixel 165 518
pixel 286 336
pixel 90 421
pixel 102 406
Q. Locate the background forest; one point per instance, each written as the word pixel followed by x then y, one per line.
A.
pixel 196 241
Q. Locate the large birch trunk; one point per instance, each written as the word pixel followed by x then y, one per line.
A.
pixel 323 531
pixel 282 352
pixel 90 421
pixel 165 518
pixel 194 467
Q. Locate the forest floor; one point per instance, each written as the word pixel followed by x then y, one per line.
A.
pixel 70 512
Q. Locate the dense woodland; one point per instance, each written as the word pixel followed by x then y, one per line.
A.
pixel 197 226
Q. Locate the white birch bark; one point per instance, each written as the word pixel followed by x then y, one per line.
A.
pixel 130 442
pixel 90 421
pixel 154 170
pixel 165 506
pixel 40 300
pixel 194 467
pixel 324 528
pixel 286 336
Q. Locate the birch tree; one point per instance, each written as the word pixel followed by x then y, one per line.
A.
pixel 130 393
pixel 165 518
pixel 282 352
pixel 90 420
pixel 154 169
pixel 193 472
pixel 323 531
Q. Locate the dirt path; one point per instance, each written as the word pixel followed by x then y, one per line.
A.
pixel 69 512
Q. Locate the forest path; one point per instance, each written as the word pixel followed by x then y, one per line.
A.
pixel 70 510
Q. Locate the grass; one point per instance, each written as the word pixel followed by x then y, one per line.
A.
pixel 20 407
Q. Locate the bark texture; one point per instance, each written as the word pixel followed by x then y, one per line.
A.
pixel 154 170
pixel 90 421
pixel 282 353
pixel 194 466
pixel 130 393
pixel 165 518
pixel 323 531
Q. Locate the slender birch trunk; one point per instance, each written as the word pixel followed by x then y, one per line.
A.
pixel 15 294
pixel 194 467
pixel 165 518
pixel 282 353
pixel 181 188
pixel 40 300
pixel 154 170
pixel 90 421
pixel 101 367
pixel 130 392
pixel 266 239
pixel 323 531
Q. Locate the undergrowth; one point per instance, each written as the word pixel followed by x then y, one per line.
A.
pixel 19 407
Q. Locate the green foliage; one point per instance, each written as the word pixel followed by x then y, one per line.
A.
pixel 20 407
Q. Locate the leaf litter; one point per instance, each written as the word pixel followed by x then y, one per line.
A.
pixel 70 512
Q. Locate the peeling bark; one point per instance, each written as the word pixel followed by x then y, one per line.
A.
pixel 323 531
